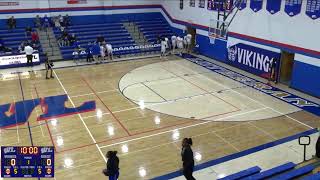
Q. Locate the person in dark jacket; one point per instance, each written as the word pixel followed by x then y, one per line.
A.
pixel 187 158
pixel 112 169
pixel 12 23
pixel 318 147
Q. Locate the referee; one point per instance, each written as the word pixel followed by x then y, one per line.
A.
pixel 49 66
pixel 29 51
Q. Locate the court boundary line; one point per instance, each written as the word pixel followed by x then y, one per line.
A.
pixel 115 118
pixel 237 155
pixel 126 136
pixel 184 127
pixel 244 94
pixel 46 121
pixel 274 90
pixel 198 86
pixel 24 107
pixel 79 115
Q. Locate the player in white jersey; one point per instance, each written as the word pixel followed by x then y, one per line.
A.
pixel 167 45
pixel 174 43
pixel 163 47
pixel 180 45
pixel 188 39
pixel 109 51
pixel 185 43
pixel 102 53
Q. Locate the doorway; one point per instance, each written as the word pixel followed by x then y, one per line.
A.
pixel 193 32
pixel 287 61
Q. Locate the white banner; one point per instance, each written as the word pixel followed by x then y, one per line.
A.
pixel 17 59
pixel 136 47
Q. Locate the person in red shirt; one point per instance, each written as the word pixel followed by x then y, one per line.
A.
pixel 34 37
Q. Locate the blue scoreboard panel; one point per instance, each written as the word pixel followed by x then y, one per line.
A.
pixel 27 161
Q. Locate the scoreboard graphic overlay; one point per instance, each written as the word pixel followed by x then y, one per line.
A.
pixel 27 161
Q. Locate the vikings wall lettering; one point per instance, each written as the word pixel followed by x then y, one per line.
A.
pixel 252 59
pixel 269 90
pixel 18 113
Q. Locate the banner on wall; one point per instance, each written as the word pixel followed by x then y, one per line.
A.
pixel 202 3
pixel 293 7
pixel 243 4
pixel 77 1
pixel 9 3
pixel 273 6
pixel 252 59
pixel 217 5
pixel 256 5
pixel 313 9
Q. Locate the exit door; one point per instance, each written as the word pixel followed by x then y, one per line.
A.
pixel 287 61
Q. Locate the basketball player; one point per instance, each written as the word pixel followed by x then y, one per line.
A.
pixel 109 51
pixel 174 43
pixel 185 43
pixel 167 45
pixel 272 70
pixel 188 39
pixel 163 48
pixel 102 52
pixel 49 66
pixel 180 45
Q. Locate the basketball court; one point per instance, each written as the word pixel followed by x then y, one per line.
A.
pixel 144 108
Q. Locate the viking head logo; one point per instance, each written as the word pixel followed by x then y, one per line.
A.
pixel 232 53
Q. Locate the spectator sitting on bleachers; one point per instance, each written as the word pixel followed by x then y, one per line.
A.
pixel 34 37
pixel 21 46
pixel 66 20
pixel 4 49
pixel 35 46
pixel 72 39
pixel 100 39
pixel 46 22
pixel 65 37
pixel 60 19
pixel 28 31
pixel 12 23
pixel 37 22
pixel 56 22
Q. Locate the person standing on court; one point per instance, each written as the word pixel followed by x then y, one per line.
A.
pixel 112 169
pixel 29 53
pixel 272 70
pixel 174 43
pixel 49 66
pixel 189 38
pixel 187 158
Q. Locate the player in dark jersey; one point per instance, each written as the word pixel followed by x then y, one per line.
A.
pixel 49 66
pixel 272 70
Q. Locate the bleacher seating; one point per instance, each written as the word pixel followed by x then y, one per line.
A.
pixel 282 172
pixel 151 29
pixel 242 174
pixel 312 177
pixel 13 38
pixel 114 34
pixel 272 172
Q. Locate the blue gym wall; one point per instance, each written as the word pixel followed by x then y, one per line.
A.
pixel 303 71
